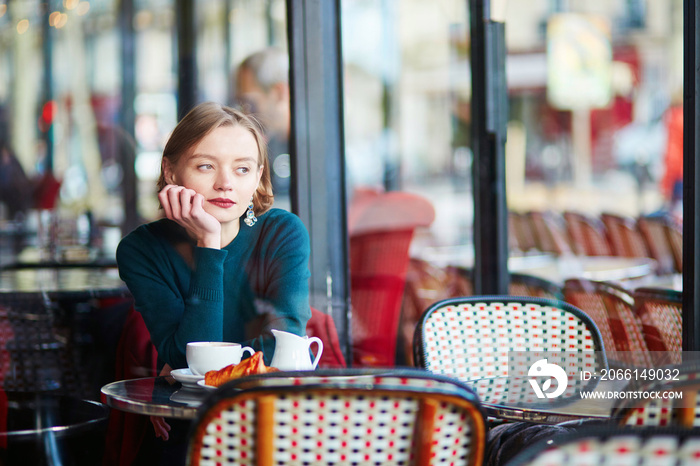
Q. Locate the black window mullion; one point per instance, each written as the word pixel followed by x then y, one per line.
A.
pixel 318 153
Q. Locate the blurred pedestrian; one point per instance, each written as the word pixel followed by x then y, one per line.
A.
pixel 262 90
pixel 15 186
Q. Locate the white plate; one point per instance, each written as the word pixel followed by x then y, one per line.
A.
pixel 203 385
pixel 186 377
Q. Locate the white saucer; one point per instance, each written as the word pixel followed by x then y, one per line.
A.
pixel 203 385
pixel 186 377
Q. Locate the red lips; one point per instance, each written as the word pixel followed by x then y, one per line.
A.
pixel 222 202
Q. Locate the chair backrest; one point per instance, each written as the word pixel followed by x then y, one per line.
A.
pixel 674 235
pixel 587 233
pixel 549 232
pixel 653 231
pixel 609 445
pixel 469 338
pixel 611 308
pixel 671 398
pixel 660 312
pixel 339 417
pixel 425 284
pixel 529 285
pixel 522 230
pixel 380 236
pixel 37 350
pixel 624 236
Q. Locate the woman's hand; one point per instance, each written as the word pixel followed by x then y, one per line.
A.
pixel 186 207
pixel 161 427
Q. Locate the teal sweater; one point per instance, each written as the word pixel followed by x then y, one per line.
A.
pixel 258 282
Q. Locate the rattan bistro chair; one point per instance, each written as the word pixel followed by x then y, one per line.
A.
pixel 660 312
pixel 522 284
pixel 340 416
pixel 469 338
pixel 660 407
pixel 612 309
pixel 613 446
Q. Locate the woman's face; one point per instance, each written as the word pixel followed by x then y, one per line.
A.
pixel 222 167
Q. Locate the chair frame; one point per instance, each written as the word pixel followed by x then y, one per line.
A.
pixel 546 288
pixel 430 392
pixel 422 357
pixel 531 453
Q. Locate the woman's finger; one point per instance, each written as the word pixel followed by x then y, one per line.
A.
pixel 185 203
pixel 160 427
pixel 174 199
pixel 197 205
pixel 165 202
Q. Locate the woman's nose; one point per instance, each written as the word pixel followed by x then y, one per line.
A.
pixel 223 182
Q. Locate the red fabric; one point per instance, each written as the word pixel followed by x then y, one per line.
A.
pixel 321 325
pixel 136 357
pixel 673 158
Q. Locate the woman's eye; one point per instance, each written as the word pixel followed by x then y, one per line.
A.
pixel 243 170
pixel 205 166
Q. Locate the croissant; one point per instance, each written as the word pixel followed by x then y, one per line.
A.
pixel 251 366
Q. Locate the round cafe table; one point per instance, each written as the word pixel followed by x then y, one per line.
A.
pixel 154 396
pixel 64 282
pixel 164 396
pixel 48 429
pixel 512 398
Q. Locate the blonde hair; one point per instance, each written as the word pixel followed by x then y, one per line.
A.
pixel 198 123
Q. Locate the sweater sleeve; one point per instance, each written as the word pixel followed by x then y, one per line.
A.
pixel 284 296
pixel 173 317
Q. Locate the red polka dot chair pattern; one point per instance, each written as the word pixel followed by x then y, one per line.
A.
pixel 340 416
pixel 604 445
pixel 669 403
pixel 470 338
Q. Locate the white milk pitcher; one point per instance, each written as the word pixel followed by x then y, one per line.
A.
pixel 292 352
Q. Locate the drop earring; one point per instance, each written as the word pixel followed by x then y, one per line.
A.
pixel 250 218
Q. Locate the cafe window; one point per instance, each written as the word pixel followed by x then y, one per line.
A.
pixel 595 133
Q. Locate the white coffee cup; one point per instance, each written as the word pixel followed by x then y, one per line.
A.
pixel 205 356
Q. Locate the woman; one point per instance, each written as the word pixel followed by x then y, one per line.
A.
pixel 222 265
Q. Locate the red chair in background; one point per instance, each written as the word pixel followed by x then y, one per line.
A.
pixel 381 227
pixel 624 236
pixel 654 234
pixel 321 325
pixel 587 233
